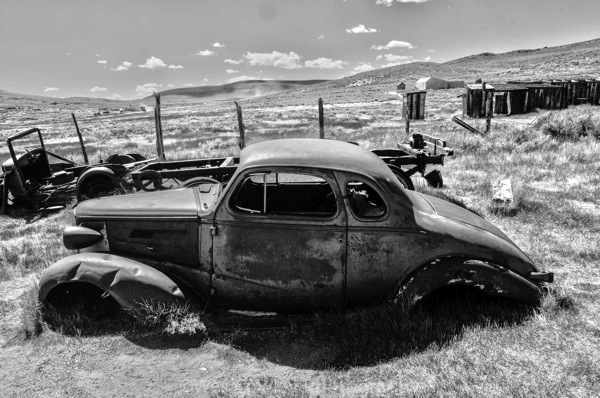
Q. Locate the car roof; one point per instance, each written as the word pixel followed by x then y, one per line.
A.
pixel 316 153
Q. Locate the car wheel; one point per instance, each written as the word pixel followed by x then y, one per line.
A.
pixel 77 307
pixel 404 179
pixel 97 188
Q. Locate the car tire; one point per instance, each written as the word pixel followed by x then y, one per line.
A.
pixel 404 179
pixel 98 188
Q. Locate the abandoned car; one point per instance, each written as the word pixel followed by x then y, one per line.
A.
pixel 302 224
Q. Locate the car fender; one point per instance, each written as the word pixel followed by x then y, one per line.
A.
pixel 126 280
pixel 492 279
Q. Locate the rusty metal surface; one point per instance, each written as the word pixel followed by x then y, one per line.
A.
pixel 315 153
pixel 164 204
pixel 249 258
pixel 127 281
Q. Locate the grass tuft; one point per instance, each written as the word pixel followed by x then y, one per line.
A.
pixel 571 124
pixel 168 318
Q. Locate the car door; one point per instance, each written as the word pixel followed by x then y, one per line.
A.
pixel 279 241
pixel 378 244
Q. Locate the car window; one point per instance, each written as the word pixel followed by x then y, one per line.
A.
pixel 285 194
pixel 364 200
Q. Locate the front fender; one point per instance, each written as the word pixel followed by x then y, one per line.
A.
pixel 491 279
pixel 127 281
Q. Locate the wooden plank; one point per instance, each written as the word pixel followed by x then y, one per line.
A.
pixel 242 141
pixel 489 110
pixel 422 113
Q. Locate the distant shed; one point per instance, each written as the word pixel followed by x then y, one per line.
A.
pixel 513 98
pixel 401 86
pixel 581 91
pixel 413 106
pixel 431 83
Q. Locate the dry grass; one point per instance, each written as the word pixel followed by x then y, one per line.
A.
pixel 470 348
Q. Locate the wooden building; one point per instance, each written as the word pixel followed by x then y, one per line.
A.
pixel 581 91
pixel 513 98
pixel 414 105
pixel 401 86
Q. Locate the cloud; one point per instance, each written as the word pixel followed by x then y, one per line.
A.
pixel 394 58
pixel 170 85
pixel 153 63
pixel 97 89
pixel 389 3
pixel 431 51
pixel 47 89
pixel 361 29
pixel 234 61
pixel 230 71
pixel 320 37
pixel 205 53
pixel 188 85
pixel 205 79
pixel 147 89
pixel 276 59
pixel 124 66
pixel 175 67
pixel 115 97
pixel 102 61
pixel 393 44
pixel 218 45
pixel 326 63
pixel 363 67
pixel 68 53
pixel 97 55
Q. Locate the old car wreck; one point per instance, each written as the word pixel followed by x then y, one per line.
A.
pixel 302 224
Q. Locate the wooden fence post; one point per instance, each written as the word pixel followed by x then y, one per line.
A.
pixel 85 158
pixel 242 142
pixel 321 120
pixel 409 110
pixel 160 149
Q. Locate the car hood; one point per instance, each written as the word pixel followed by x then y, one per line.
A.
pixel 175 203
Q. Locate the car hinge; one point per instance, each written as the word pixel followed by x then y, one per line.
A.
pixel 214 230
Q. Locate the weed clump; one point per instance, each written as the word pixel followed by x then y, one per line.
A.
pixel 168 318
pixel 571 124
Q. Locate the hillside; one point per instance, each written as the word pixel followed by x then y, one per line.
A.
pixel 577 60
pixel 233 91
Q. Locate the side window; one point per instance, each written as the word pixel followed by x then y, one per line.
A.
pixel 294 194
pixel 364 200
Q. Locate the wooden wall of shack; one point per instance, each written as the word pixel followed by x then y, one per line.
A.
pixel 523 97
pixel 413 106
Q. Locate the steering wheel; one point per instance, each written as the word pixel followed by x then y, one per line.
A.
pixel 30 156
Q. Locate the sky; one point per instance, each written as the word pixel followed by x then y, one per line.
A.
pixel 127 49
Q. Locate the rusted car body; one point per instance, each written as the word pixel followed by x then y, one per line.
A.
pixel 302 224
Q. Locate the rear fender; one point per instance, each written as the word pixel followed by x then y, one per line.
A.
pixel 491 279
pixel 128 281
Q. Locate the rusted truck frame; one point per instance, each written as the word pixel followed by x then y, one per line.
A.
pixel 32 179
